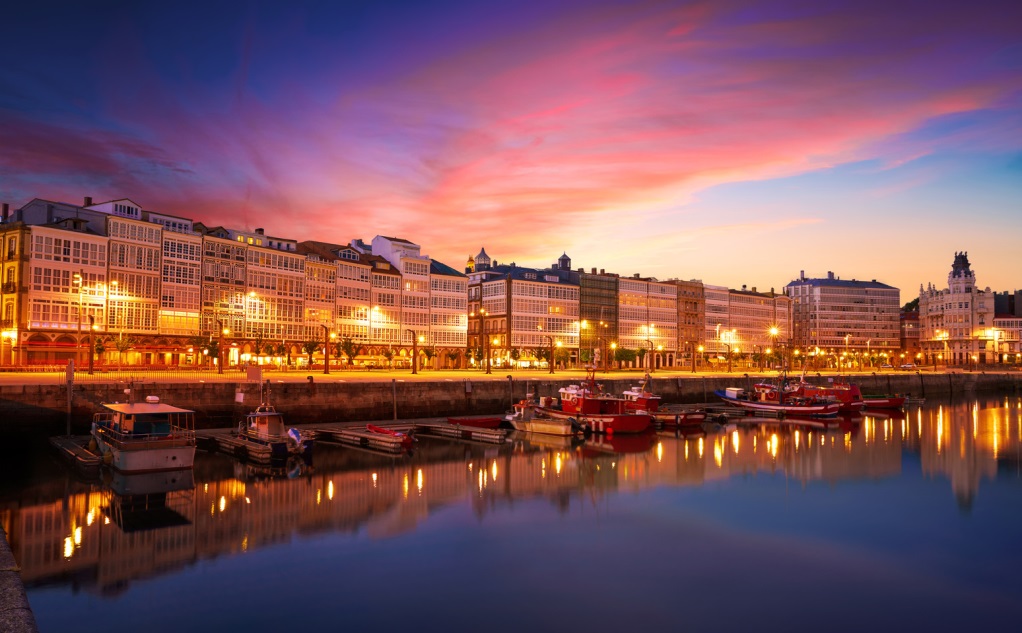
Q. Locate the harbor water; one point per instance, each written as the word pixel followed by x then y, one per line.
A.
pixel 904 521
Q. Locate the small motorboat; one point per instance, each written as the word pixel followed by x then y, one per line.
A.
pixel 263 437
pixel 405 439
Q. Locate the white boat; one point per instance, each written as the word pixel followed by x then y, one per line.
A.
pixel 524 419
pixel 263 437
pixel 148 436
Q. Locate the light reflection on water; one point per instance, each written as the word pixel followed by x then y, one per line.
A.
pixel 861 507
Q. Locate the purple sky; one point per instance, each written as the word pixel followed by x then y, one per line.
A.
pixel 733 142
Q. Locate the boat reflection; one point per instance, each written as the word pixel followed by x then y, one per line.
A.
pixel 126 528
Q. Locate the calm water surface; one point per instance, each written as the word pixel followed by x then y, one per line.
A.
pixel 910 522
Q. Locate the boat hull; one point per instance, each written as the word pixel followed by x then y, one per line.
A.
pixel 146 457
pixel 889 402
pixel 545 427
pixel 609 423
pixel 479 422
pixel 825 410
pixel 679 418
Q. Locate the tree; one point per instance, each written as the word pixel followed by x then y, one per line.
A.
pixel 562 355
pixel 257 344
pixel 389 355
pixel 585 355
pixel 123 344
pixel 310 348
pixel 911 306
pixel 641 353
pixel 347 348
pixel 624 355
pixel 453 357
pixel 516 355
pixel 429 353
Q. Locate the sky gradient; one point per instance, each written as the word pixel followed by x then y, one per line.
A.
pixel 733 142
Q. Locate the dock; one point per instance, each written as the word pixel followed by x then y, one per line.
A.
pixel 75 450
pixel 359 436
pixel 461 432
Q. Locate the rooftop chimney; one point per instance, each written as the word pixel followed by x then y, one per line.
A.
pixel 88 201
pixel 259 232
pixel 802 275
pixel 830 275
pixel 6 211
pixel 601 271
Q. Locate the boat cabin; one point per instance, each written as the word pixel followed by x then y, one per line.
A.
pixel 145 419
pixel 265 422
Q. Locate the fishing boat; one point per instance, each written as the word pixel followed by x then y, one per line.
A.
pixel 599 412
pixel 642 398
pixel 263 437
pixel 477 421
pixel 150 436
pixel 849 396
pixel 404 439
pixel 768 398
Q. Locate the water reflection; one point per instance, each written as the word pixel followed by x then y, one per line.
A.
pixel 102 536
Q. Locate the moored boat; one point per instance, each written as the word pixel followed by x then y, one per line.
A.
pixel 849 396
pixel 599 412
pixel 404 439
pixel 263 437
pixel 770 399
pixel 524 418
pixel 150 436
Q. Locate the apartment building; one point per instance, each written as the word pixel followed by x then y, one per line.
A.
pixel 844 318
pixel 691 321
pixel 648 319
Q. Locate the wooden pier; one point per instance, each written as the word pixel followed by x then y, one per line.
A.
pixel 359 436
pixel 75 450
pixel 461 432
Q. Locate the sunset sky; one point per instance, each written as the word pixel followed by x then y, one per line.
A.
pixel 733 142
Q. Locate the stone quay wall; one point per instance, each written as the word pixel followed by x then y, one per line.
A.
pixel 42 409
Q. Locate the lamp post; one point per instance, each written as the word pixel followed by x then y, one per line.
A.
pixel 613 350
pixel 728 346
pixel 700 348
pixel 92 327
pixel 551 339
pixel 415 351
pixel 220 344
pixel 79 280
pixel 327 336
pixel 773 332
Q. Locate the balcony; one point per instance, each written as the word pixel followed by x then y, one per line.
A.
pixel 10 287
pixel 6 324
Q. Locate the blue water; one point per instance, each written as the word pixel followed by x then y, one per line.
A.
pixel 848 529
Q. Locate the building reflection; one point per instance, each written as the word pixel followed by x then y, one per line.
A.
pixel 101 537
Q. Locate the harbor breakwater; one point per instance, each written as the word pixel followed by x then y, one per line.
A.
pixel 41 409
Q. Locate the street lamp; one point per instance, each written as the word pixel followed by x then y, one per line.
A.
pixel 651 370
pixel 415 351
pixel 220 344
pixel 700 348
pixel 327 337
pixel 613 350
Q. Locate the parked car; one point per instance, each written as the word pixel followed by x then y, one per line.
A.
pixel 908 366
pixel 886 366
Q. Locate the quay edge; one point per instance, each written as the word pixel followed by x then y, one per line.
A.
pixel 41 409
pixel 15 612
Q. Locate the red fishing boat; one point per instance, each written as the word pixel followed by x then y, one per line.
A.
pixel 599 412
pixel 847 395
pixel 641 399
